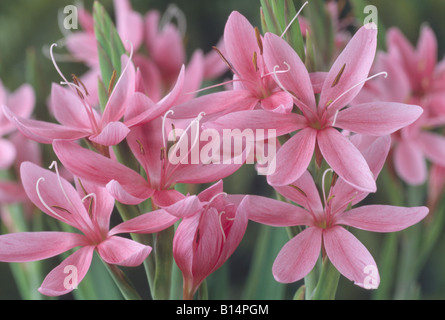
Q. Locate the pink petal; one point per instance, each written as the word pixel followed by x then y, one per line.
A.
pixel 21 102
pixel 129 23
pixel 124 195
pixel 219 102
pixel 7 154
pixel 346 160
pixel 151 222
pixel 214 66
pixel 45 189
pixel 68 108
pixel 351 257
pixel 298 256
pixel 427 49
pixel 210 192
pixel 113 134
pixel 11 192
pixel 67 275
pixel 92 166
pixel 293 158
pixel 183 208
pixel 277 52
pixel 44 132
pixel 193 77
pixel 258 119
pixel 34 246
pixel 410 163
pixel 240 44
pixel 433 145
pixel 83 46
pixel 276 213
pixel 318 79
pixel 124 87
pixel 279 102
pixel 123 252
pixel 304 192
pixel 378 118
pixel 353 66
pixel 378 218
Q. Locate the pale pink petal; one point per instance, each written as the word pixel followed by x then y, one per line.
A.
pixel 240 44
pixel 293 158
pixel 176 92
pixel 124 195
pixel 68 108
pixel 279 102
pixel 113 134
pixel 34 246
pixel 377 118
pixel 186 207
pixel 318 79
pixel 129 24
pixel 219 102
pixel 298 256
pixel 213 190
pixel 280 124
pixel 55 196
pixel 214 66
pixel 7 154
pixel 378 218
pixel 193 78
pixel 92 166
pixel 21 102
pixel 427 49
pixel 304 192
pixel 124 87
pixel 11 192
pixel 67 275
pixel 410 163
pixel 151 222
pixel 433 146
pixel 350 69
pixel 123 252
pixel 83 46
pixel 44 132
pixel 167 198
pixel 276 213
pixel 278 53
pixel 351 257
pixel 346 160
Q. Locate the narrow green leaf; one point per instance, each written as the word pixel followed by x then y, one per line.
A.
pixel 327 283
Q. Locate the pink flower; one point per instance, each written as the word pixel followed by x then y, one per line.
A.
pixel 253 84
pixel 317 125
pixel 205 240
pixel 22 102
pixel 414 77
pixel 150 147
pixel 325 221
pixel 88 209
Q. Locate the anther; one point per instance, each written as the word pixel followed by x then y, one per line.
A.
pixel 337 78
pixel 112 81
pixel 259 40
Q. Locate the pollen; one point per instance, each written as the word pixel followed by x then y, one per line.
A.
pixel 259 40
pixel 338 77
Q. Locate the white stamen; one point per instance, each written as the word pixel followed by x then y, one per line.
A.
pixel 357 85
pixel 44 203
pixel 216 196
pixel 323 186
pixel 164 118
pixel 54 165
pixel 174 12
pixel 221 226
pixel 335 118
pixel 94 199
pixel 55 64
pixel 275 72
pixel 125 69
pixel 293 20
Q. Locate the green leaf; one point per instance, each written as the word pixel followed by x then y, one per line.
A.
pixel 328 282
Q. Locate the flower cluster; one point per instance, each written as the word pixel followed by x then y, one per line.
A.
pixel 117 155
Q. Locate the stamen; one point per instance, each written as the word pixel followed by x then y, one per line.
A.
pixel 54 165
pixel 93 201
pixel 299 190
pixel 216 196
pixel 51 52
pixel 163 127
pixel 174 12
pixel 141 147
pixel 337 78
pixel 61 209
pixel 323 185
pixel 124 70
pixel 357 85
pixel 293 20
pixel 82 187
pixel 44 203
pixel 221 226
pixel 111 84
pixel 225 59
pixel 259 40
pixel 335 118
pixel 255 61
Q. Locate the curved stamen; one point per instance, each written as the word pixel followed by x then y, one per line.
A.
pixel 293 20
pixel 174 12
pixel 93 202
pixel 355 86
pixel 54 165
pixel 335 117
pixel 44 203
pixel 164 118
pixel 221 226
pixel 323 185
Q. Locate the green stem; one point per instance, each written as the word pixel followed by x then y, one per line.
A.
pixel 328 282
pixel 164 264
pixel 123 283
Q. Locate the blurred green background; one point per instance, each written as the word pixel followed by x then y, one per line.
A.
pixel 26 26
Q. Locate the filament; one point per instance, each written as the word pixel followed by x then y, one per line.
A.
pixel 293 20
pixel 323 185
pixel 44 203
